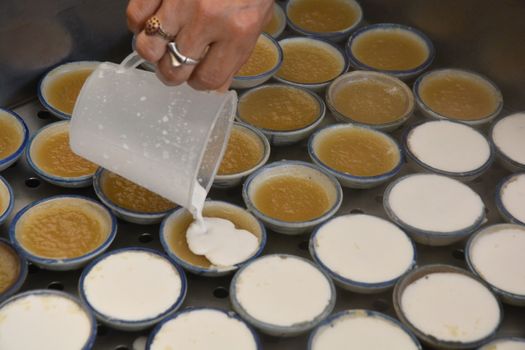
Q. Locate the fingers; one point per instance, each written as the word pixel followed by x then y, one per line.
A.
pixel 153 47
pixel 138 12
pixel 217 67
pixel 191 43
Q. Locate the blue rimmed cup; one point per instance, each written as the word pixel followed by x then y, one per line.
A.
pixel 52 75
pixel 280 17
pixel 342 315
pixel 346 179
pixel 249 81
pixel 299 169
pixel 90 341
pixel 232 180
pixel 136 217
pixel 494 345
pixel 286 137
pixel 506 296
pixel 354 77
pixel 427 339
pixel 427 237
pixel 505 212
pixel 181 218
pixel 37 141
pixel 139 324
pixel 229 314
pixel 64 264
pixel 275 329
pixel 7 200
pixel 352 284
pixel 338 54
pixel 24 137
pixel 507 161
pixel 336 36
pixel 464 176
pixel 405 74
pixel 22 271
pixel 429 113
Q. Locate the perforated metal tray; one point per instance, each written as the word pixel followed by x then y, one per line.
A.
pixel 214 291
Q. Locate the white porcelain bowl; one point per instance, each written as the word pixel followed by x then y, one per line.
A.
pixel 24 133
pixel 355 76
pixel 69 263
pixel 429 113
pixel 22 271
pixel 349 180
pixel 286 137
pixel 508 137
pixel 126 274
pixel 505 343
pixel 182 214
pixel 362 253
pixel 495 254
pixel 286 277
pixel 54 73
pixel 510 196
pixel 448 148
pixel 433 209
pixel 336 36
pixel 401 74
pixel 364 333
pixel 56 320
pixel 454 291
pixel 36 140
pixel 232 180
pixel 295 168
pixel 246 82
pixel 336 51
pixel 200 327
pixel 7 199
pixel 140 218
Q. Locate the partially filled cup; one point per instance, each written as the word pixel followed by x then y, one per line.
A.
pixel 14 136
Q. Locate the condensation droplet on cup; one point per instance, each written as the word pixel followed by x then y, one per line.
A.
pixel 165 155
pixel 164 132
pixel 165 119
pixel 125 146
pixel 105 155
pixel 100 127
pixel 143 98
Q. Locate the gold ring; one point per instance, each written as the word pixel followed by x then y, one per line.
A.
pixel 153 27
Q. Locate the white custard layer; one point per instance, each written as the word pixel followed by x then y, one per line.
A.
pixel 43 322
pixel 451 307
pixel 364 248
pixel 282 290
pixel 505 345
pixel 362 332
pixel 132 286
pixel 204 330
pixel 435 203
pixel 513 197
pixel 449 146
pixel 498 255
pixel 509 136
pixel 220 242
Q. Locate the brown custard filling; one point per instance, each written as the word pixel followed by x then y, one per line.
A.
pixel 9 267
pixel 63 91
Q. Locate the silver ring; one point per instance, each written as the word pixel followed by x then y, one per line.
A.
pixel 178 59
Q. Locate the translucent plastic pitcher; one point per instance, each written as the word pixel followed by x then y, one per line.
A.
pixel 164 138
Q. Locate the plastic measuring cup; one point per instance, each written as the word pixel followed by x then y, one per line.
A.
pixel 164 138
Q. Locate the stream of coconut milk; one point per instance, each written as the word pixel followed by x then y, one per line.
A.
pixel 217 239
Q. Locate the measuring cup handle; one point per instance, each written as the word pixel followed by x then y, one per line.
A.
pixel 132 61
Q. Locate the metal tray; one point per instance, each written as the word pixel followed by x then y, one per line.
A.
pixel 214 291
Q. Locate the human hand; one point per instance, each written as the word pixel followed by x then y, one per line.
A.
pixel 222 33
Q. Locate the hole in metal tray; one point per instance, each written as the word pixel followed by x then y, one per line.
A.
pixel 56 285
pixel 221 293
pixel 32 268
pixel 303 245
pixel 43 115
pixel 458 254
pixel 32 182
pixel 121 347
pixel 380 305
pixel 145 237
pixel 357 211
pixel 102 330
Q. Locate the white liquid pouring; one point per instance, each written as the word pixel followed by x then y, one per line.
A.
pixel 217 239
